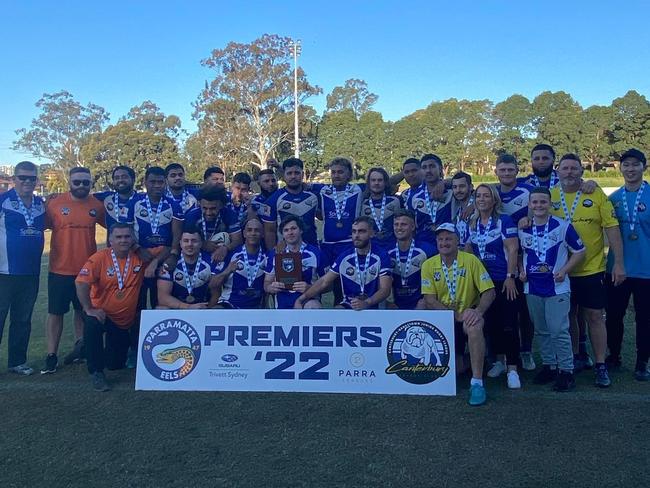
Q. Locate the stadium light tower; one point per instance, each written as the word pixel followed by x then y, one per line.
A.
pixel 295 48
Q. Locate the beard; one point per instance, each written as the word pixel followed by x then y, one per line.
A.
pixel 543 173
pixel 80 192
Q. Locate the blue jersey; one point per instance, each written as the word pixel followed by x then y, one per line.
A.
pixel 348 202
pixel 117 209
pixel 515 202
pixel 635 251
pixel 312 269
pixel 226 221
pixel 540 262
pixel 258 203
pixel 201 273
pixel 240 211
pixel 21 244
pixel 186 200
pixel 384 236
pixel 533 181
pixel 493 256
pixel 236 290
pixel 406 276
pixel 429 213
pixel 365 280
pixel 304 205
pixel 154 229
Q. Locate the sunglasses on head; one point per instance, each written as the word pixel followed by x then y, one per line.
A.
pixel 81 182
pixel 24 178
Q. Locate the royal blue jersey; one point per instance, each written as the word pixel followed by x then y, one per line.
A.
pixel 154 228
pixel 384 233
pixel 406 274
pixel 429 215
pixel 488 244
pixel 337 225
pixel 201 272
pixel 304 205
pixel 258 203
pixel 540 261
pixel 312 269
pixel 515 202
pixel 226 221
pixel 240 210
pixel 362 281
pixel 21 236
pixel 186 200
pixel 117 208
pixel 533 181
pixel 236 290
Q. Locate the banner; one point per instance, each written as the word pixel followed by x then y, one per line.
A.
pixel 335 351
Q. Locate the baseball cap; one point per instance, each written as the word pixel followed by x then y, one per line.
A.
pixel 633 153
pixel 449 227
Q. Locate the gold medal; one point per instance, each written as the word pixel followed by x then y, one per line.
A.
pixel 339 224
pixel 119 294
pixel 190 299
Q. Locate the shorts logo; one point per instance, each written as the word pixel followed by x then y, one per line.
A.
pixel 65 211
pixel 171 350
pixel 418 353
pixel 588 203
pixel 92 212
pixel 287 265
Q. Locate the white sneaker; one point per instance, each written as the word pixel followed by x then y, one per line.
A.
pixel 514 383
pixel 527 361
pixel 497 369
pixel 22 369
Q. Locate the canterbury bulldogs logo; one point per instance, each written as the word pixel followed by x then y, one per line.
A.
pixel 144 214
pixel 110 271
pixel 641 207
pixel 110 206
pixel 65 211
pixel 178 276
pixel 286 206
pixel 92 212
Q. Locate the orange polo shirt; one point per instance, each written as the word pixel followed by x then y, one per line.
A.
pixel 99 273
pixel 73 231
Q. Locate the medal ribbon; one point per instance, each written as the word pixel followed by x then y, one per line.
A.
pixel 432 207
pixel 205 227
pixel 117 207
pixel 28 213
pixel 569 215
pixel 185 198
pixel 251 272
pixel 541 253
pixel 451 284
pixel 482 236
pixel 635 210
pixel 120 276
pixel 403 271
pixel 190 279
pixel 362 275
pixel 339 204
pixel 380 222
pixel 154 221
pixel 554 180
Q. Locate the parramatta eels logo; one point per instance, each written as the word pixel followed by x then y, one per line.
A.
pixel 418 352
pixel 171 350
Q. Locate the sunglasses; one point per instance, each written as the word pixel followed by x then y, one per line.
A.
pixel 24 178
pixel 81 182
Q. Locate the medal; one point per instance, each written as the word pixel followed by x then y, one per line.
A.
pixel 361 274
pixel 154 219
pixel 403 272
pixel 482 236
pixel 28 213
pixel 204 227
pixel 120 276
pixel 251 271
pixel 633 236
pixel 339 204
pixel 119 295
pixel 543 268
pixel 379 222
pixel 339 224
pixel 453 282
pixel 119 209
pixel 189 299
pixel 190 279
pixel 184 201
pixel 552 182
pixel 540 252
pixel 432 207
pixel 569 215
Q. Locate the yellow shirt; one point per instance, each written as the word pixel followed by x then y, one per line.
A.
pixel 472 280
pixel 593 213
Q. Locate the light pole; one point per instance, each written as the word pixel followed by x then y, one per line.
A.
pixel 296 143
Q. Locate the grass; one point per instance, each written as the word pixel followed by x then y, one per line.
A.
pixel 56 432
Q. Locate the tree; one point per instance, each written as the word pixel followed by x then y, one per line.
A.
pixel 557 118
pixel 595 135
pixel 147 117
pixel 60 130
pixel 631 122
pixel 513 129
pixel 354 95
pixel 246 112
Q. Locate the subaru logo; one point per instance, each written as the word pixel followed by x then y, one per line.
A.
pixel 229 358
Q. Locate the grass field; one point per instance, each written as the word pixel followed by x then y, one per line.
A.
pixel 58 432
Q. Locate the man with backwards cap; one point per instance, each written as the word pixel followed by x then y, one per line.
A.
pixel 458 281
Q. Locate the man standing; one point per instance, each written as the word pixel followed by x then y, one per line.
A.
pixel 176 187
pixel 118 203
pixel 214 175
pixel 542 158
pixel 22 222
pixel 406 259
pixel 72 218
pixel 462 206
pixel 412 173
pixel 456 280
pixel 632 205
pixel 590 215
pixel 381 207
pixel 364 273
pixel 240 196
pixel 268 184
pixel 108 287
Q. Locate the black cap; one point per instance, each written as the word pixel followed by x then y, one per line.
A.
pixel 633 153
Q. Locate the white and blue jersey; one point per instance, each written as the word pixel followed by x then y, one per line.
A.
pixel 492 251
pixel 425 208
pixel 635 251
pixel 406 276
pixel 515 202
pixel 258 204
pixel 186 200
pixel 365 280
pixel 226 221
pixel 153 229
pixel 304 205
pixel 386 237
pixel 541 262
pixel 348 200
pixel 236 291
pixel 240 211
pixel 117 209
pixel 533 181
pixel 312 269
pixel 21 244
pixel 201 272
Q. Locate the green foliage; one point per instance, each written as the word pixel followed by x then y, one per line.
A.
pixel 354 95
pixel 147 117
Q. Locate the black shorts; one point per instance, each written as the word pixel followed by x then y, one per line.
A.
pixel 460 339
pixel 61 291
pixel 589 291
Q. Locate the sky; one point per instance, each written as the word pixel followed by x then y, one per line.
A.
pixel 118 54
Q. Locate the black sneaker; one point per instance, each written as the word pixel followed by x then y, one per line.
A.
pixel 76 355
pixel 602 377
pixel 641 372
pixel 545 376
pixel 99 382
pixel 564 381
pixel 51 362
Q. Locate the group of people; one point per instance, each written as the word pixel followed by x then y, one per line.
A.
pixel 522 257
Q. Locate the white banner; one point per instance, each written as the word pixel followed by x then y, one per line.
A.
pixel 336 351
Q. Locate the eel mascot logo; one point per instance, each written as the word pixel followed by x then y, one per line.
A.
pixel 418 352
pixel 171 350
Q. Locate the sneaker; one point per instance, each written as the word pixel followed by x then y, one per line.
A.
pixel 642 375
pixel 497 369
pixel 51 362
pixel 613 362
pixel 564 381
pixel 527 361
pixel 22 369
pixel 477 395
pixel 587 362
pixel 131 359
pixel 99 382
pixel 602 377
pixel 514 383
pixel 545 376
pixel 76 355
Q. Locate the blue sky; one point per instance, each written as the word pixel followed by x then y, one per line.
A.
pixel 120 53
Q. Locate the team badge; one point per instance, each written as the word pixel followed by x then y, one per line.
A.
pixel 641 207
pixel 420 204
pixel 92 212
pixel 171 350
pixel 110 271
pixel 14 204
pixel 436 276
pixel 110 206
pixel 65 211
pixel 144 214
pixel 287 265
pixel 178 276
pixel 240 266
pixel 367 211
pixel 556 205
pixel 587 203
pixel 286 206
pixel 349 271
